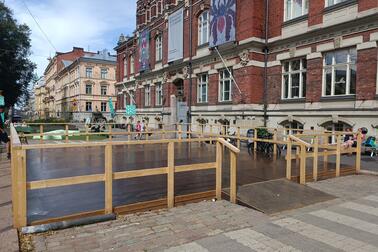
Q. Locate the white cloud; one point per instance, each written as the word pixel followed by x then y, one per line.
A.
pixel 84 23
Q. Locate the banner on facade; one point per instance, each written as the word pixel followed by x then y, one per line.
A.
pixel 222 22
pixel 176 36
pixel 130 110
pixel 144 47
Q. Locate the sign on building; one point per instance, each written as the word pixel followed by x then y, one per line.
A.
pixel 222 22
pixel 144 47
pixel 176 35
pixel 130 110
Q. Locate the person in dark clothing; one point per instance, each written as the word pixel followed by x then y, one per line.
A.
pixel 3 134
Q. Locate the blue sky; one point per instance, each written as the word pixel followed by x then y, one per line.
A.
pixel 96 24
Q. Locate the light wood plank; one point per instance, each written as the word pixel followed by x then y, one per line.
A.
pixel 288 160
pixel 302 168
pixel 48 183
pixel 315 158
pixel 171 175
pixel 233 185
pixel 218 180
pixel 195 167
pixel 140 173
pixel 108 179
pixel 338 156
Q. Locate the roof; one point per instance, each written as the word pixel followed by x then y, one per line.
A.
pixel 66 63
pixel 101 55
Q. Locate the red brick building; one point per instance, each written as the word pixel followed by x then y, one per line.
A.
pixel 316 66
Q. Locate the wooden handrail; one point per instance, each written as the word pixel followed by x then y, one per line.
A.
pixel 296 139
pixel 228 145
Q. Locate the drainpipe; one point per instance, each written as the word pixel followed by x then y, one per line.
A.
pixel 266 50
pixel 190 61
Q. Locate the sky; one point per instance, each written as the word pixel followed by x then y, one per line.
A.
pixel 93 24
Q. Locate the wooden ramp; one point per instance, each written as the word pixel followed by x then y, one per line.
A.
pixel 279 195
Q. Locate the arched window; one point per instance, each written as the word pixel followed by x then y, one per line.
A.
pixel 159 48
pixel 339 126
pixel 293 127
pixel 203 28
pixel 125 67
pixel 131 64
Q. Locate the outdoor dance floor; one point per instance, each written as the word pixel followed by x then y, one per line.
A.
pixel 68 162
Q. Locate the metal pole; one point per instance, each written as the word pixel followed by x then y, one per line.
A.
pixel 265 100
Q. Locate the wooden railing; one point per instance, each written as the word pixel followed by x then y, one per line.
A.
pixel 21 185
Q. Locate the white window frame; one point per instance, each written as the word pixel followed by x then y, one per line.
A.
pixel 201 27
pixel 158 48
pixel 104 73
pixel 125 66
pixel 106 90
pixel 86 106
pixel 327 4
pixel 289 73
pixel 291 11
pixel 101 107
pixel 222 81
pixel 159 94
pixel 132 70
pixel 203 80
pixel 91 89
pixel 348 64
pixel 89 72
pixel 147 95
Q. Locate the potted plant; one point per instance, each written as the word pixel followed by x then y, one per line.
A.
pixel 159 121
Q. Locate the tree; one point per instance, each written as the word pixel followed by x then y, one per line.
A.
pixel 16 70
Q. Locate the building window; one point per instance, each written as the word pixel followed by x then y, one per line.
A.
pixel 333 2
pixel 147 96
pixel 131 96
pixel 159 7
pixel 203 28
pixel 103 106
pixel 159 48
pixel 125 67
pixel 203 81
pixel 131 64
pixel 295 8
pixel 339 72
pixel 104 73
pixel 88 106
pixel 159 94
pixel 294 79
pixel 104 90
pixel 333 127
pixel 292 127
pixel 88 89
pixel 88 72
pixel 225 85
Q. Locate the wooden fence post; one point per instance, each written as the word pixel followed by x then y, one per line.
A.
pixel 110 132
pixel 358 152
pixel 41 133
pixel 219 159
pixel 315 160
pixel 20 208
pixel 302 169
pixel 325 157
pixel 338 155
pixel 288 159
pixel 233 185
pixel 66 131
pixel 171 175
pixel 108 179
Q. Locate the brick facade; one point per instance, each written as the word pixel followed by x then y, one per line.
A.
pixel 349 24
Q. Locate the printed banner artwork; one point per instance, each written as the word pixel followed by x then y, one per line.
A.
pixel 222 22
pixel 176 36
pixel 144 47
pixel 130 110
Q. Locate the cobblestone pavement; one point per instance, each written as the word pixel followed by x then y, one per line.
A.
pixel 348 223
pixel 8 235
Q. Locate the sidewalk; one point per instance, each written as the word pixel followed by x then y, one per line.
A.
pixel 8 235
pixel 350 222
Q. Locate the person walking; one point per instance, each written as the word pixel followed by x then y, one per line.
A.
pixel 138 129
pixel 3 134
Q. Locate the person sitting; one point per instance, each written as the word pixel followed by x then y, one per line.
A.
pixel 348 139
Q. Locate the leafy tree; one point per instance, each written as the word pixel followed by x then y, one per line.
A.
pixel 16 70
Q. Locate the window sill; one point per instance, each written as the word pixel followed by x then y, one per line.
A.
pixel 205 45
pixel 295 20
pixel 224 102
pixel 338 98
pixel 202 103
pixel 293 100
pixel 339 6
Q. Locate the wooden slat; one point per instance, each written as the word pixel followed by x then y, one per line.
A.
pixel 338 156
pixel 228 145
pixel 65 181
pixel 218 179
pixel 302 168
pixel 358 152
pixel 195 167
pixel 233 177
pixel 171 175
pixel 21 189
pixel 300 141
pixel 140 173
pixel 108 179
pixel 315 159
pixel 69 217
pixel 288 160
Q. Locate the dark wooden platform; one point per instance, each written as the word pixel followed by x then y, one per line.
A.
pixel 279 195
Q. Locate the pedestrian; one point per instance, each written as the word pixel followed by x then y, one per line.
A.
pixel 138 129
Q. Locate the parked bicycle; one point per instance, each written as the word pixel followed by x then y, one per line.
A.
pixel 265 148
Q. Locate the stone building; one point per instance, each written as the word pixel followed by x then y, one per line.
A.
pixel 79 83
pixel 298 64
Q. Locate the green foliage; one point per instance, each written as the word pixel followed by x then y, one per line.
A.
pixel 263 133
pixel 16 70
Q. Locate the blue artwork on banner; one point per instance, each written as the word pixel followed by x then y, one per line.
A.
pixel 222 22
pixel 144 47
